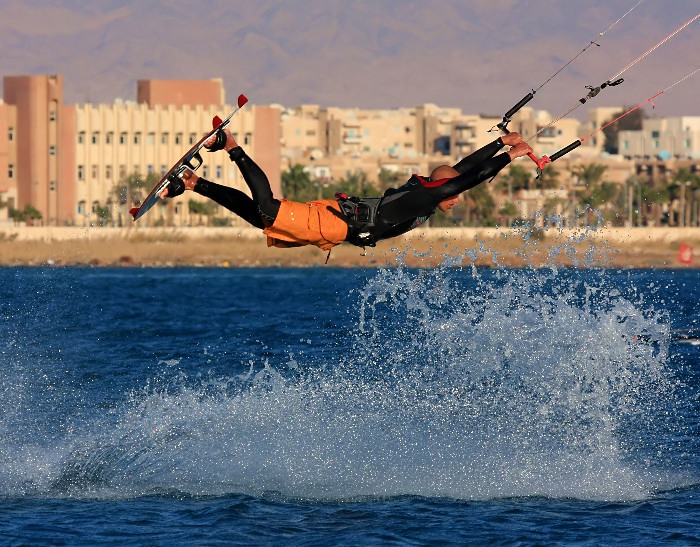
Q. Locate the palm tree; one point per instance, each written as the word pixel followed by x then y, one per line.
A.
pixel 657 197
pixel 483 205
pixel 355 183
pixel 200 209
pixel 389 179
pixel 131 190
pixel 589 174
pixel 684 180
pixel 509 211
pixel 549 178
pixel 297 184
pixel 596 193
pixel 515 179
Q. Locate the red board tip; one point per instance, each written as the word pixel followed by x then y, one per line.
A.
pixel 133 211
pixel 216 122
pixel 242 99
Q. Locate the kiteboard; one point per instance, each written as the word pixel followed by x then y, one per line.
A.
pixel 191 160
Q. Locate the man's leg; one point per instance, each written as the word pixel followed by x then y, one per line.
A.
pixel 259 185
pixel 234 200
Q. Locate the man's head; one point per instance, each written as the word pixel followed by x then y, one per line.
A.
pixel 445 172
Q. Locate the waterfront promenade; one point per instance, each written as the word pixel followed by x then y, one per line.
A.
pixel 244 247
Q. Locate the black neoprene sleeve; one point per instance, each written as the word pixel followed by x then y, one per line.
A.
pixel 471 177
pixel 234 200
pixel 481 155
pixel 259 185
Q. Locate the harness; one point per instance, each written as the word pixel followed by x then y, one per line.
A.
pixel 360 214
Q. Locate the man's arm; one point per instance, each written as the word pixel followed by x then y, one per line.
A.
pixel 486 152
pixel 481 171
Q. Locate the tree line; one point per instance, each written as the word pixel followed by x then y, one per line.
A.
pixel 585 191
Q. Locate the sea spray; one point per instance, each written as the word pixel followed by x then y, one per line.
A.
pixel 458 382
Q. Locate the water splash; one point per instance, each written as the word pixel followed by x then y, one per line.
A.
pixel 459 382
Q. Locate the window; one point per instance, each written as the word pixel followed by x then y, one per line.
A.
pixel 122 137
pixel 149 168
pixel 248 138
pixel 151 138
pixel 108 172
pixel 11 171
pixel 122 171
pixel 687 143
pixel 95 206
pixel 178 138
pixel 655 135
pixel 163 170
pixel 625 144
pixel 193 138
pixel 164 138
pixel 52 150
pixel 81 208
pixel 52 186
pixel 218 172
pixel 108 137
pixel 205 171
pixel 81 172
pixel 11 134
pixel 137 137
pixel 95 137
pixel 52 115
pixel 656 143
pixel 81 137
pixel 94 172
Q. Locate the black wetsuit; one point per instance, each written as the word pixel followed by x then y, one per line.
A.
pixel 400 210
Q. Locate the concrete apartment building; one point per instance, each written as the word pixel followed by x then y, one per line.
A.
pixel 67 160
pixel 332 142
pixel 663 138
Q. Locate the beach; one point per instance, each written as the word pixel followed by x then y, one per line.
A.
pixel 428 247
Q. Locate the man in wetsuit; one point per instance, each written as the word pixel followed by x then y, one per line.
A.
pixel 360 221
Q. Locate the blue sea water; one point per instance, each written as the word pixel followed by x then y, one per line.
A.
pixel 327 406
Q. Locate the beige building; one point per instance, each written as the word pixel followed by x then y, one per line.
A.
pixel 68 161
pixel 8 159
pixel 662 138
pixel 332 142
pixel 38 150
pixel 594 140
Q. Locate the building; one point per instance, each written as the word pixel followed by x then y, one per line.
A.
pixel 663 139
pixel 38 151
pixel 81 164
pixel 69 161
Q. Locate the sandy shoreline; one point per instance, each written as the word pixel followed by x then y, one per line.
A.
pixel 245 247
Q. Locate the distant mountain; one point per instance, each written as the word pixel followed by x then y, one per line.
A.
pixel 479 55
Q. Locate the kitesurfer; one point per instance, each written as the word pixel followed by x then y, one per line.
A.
pixel 359 221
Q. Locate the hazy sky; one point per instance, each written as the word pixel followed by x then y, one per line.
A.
pixel 478 55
